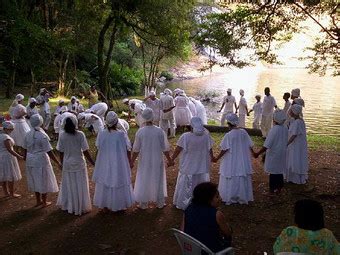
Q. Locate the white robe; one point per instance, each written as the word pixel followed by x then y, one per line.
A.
pixel 39 171
pixel 257 108
pixel 200 111
pixel 20 125
pixel 297 154
pixel 235 185
pixel 94 121
pixel 150 185
pixel 194 166
pixel 112 173
pixel 9 167
pixel 155 106
pixel 242 112
pixel 182 112
pixel 74 195
pixel 99 109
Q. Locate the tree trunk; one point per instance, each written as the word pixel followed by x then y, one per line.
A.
pixel 33 82
pixel 62 75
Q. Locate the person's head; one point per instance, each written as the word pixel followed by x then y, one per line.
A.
pixel 258 98
pixel 295 111
pixel 93 88
pixel 279 117
pixel 206 194
pixel 61 103
pixel 229 92
pixel 241 92
pixel 8 126
pixel 168 92
pixel 152 95
pixel 286 96
pixel 309 215
pixel 36 121
pixel 32 102
pixel 111 120
pixel 73 100
pixel 71 124
pixel 19 98
pixel 43 91
pixel 197 126
pixel 295 93
pixel 148 115
pixel 126 101
pixel 232 120
pixel 267 91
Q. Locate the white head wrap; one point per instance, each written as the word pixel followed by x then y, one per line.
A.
pixel 295 92
pixel 229 90
pixel 168 92
pixel 125 100
pixel 19 97
pixel 197 125
pixel 241 92
pixel 279 116
pixel 61 101
pixel 73 98
pixel 232 119
pixel 42 90
pixel 147 114
pixel 32 100
pixel 81 115
pixel 111 119
pixel 299 101
pixel 296 109
pixel 36 121
pixel 152 93
pixel 8 124
pixel 181 92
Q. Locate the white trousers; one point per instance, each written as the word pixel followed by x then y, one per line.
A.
pixel 224 117
pixel 168 123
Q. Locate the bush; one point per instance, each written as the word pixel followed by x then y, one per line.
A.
pixel 168 75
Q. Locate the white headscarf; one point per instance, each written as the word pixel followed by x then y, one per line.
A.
pixel 295 92
pixel 279 116
pixel 73 97
pixel 241 92
pixel 8 124
pixel 125 100
pixel 197 126
pixel 168 92
pixel 36 121
pixel 19 97
pixel 32 100
pixel 147 114
pixel 152 93
pixel 111 119
pixel 296 109
pixel 232 119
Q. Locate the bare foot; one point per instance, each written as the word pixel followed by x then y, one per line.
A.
pixel 46 204
pixel 15 195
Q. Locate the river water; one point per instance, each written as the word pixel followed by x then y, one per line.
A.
pixel 321 94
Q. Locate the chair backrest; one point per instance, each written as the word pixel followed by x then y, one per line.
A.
pixel 189 245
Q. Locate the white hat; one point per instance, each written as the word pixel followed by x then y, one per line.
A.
pixel 299 101
pixel 19 97
pixel 152 93
pixel 296 109
pixel 295 92
pixel 36 120
pixel 111 119
pixel 32 100
pixel 279 116
pixel 232 119
pixel 241 92
pixel 125 100
pixel 229 90
pixel 168 92
pixel 8 124
pixel 61 101
pixel 197 125
pixel 147 114
pixel 73 98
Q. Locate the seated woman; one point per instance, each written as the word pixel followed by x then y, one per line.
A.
pixel 203 221
pixel 309 236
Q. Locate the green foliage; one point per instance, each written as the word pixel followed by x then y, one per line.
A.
pixel 168 75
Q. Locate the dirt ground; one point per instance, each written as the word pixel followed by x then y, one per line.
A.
pixel 28 230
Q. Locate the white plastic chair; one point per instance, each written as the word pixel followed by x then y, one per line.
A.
pixel 191 246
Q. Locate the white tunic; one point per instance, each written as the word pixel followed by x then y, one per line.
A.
pixel 155 106
pixel 166 102
pixel 99 109
pixel 229 102
pixel 20 125
pixel 268 105
pixel 297 155
pixel 74 195
pixel 257 108
pixel 9 167
pixel 94 121
pixel 235 184
pixel 200 111
pixel 39 171
pixel 194 166
pixel 276 144
pixel 112 173
pixel 182 112
pixel 150 183
pixel 287 106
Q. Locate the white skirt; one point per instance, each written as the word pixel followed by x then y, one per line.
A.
pixel 21 128
pixel 115 199
pixel 237 189
pixel 295 177
pixel 9 168
pixel 185 186
pixel 74 195
pixel 182 116
pixel 41 178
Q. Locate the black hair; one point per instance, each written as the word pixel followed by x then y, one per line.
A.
pixel 204 193
pixel 309 215
pixel 287 94
pixel 69 127
pixel 267 88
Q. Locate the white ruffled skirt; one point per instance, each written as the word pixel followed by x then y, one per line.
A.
pixel 74 194
pixel 115 199
pixel 185 186
pixel 237 189
pixel 182 116
pixel 9 168
pixel 21 128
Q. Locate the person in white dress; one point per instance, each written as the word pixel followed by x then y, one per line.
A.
pixel 9 167
pixel 275 147
pixel 195 150
pixel 74 194
pixel 150 145
pixel 18 113
pixel 72 105
pixel 235 184
pixel 61 103
pixel 57 121
pixel 257 109
pixel 228 104
pixel 129 103
pixel 287 104
pixel 296 94
pixel 167 105
pixel 91 121
pixel 192 107
pixel 200 110
pixel 268 106
pixel 45 110
pixel 123 125
pixel 242 110
pixel 154 103
pixel 80 107
pixel 112 173
pixel 31 109
pixel 182 112
pixel 39 172
pixel 297 154
pixel 99 109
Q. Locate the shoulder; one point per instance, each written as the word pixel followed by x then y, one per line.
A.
pixel 80 134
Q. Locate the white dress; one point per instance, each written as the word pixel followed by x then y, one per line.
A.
pixel 242 112
pixel 94 121
pixel 194 166
pixel 200 111
pixel 99 109
pixel 297 155
pixel 20 125
pixel 235 185
pixel 30 111
pixel 192 108
pixel 182 112
pixel 257 108
pixel 9 167
pixel 112 173
pixel 267 114
pixel 155 106
pixel 74 195
pixel 150 185
pixel 39 171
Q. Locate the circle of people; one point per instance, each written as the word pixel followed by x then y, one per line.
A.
pixel 286 152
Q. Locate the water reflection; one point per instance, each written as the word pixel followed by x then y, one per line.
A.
pixel 321 94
